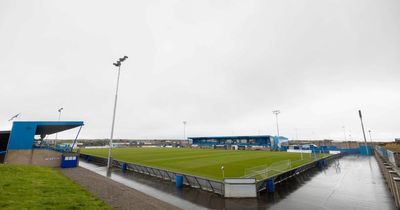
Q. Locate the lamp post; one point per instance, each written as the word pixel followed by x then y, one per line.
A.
pixel 59 117
pixel 184 129
pixel 362 126
pixel 301 151
pixel 370 138
pixel 109 161
pixel 59 113
pixel 276 112
pixel 344 133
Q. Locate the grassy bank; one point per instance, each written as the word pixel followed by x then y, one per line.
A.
pixel 33 187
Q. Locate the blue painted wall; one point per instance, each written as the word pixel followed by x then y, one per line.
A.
pixel 22 135
pixel 365 150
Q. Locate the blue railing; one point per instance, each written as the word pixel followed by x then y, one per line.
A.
pixel 382 151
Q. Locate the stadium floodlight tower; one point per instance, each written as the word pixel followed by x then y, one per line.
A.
pixel 344 133
pixel 109 161
pixel 370 138
pixel 276 112
pixel 184 129
pixel 59 117
pixel 59 113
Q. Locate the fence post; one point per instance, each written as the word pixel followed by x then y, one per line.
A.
pixel 179 181
pixel 388 178
pixel 393 176
pixel 270 185
pixel 88 158
pixel 319 164
pixel 396 181
pixel 124 167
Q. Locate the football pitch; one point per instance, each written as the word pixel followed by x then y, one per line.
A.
pixel 206 162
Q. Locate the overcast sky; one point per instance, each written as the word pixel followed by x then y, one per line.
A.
pixel 223 66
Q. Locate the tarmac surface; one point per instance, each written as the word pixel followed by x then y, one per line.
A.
pixel 351 182
pixel 117 195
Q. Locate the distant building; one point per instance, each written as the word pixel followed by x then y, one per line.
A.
pixel 241 142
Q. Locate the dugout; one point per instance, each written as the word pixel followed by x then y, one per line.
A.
pixel 27 143
pixel 4 136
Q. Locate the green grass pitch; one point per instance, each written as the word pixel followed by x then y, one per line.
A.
pixel 201 162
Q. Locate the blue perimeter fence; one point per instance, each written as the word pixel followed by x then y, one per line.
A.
pixel 362 150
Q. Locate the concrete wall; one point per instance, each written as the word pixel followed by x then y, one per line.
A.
pixel 41 157
pixel 240 188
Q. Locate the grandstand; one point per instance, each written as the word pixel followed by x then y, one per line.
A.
pixel 241 142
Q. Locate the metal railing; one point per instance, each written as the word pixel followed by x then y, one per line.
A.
pixel 389 172
pixel 265 171
pixel 281 177
pixel 271 170
pixel 388 155
pixel 190 180
pixel 279 172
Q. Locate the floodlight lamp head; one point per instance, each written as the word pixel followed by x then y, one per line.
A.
pixel 123 58
pixel 117 63
pixel 60 109
pixel 276 112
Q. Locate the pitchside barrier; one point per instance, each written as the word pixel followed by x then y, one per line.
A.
pixel 390 172
pixel 391 156
pixel 240 188
pixel 206 184
pixel 256 180
pixel 266 171
pixel 270 182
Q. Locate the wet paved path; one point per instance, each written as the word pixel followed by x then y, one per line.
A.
pixel 145 184
pixel 353 182
pixel 118 196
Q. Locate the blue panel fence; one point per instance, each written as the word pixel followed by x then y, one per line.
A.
pixel 365 150
pixel 362 150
